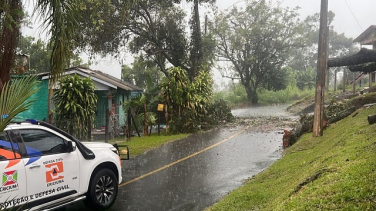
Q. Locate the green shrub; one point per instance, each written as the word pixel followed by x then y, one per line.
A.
pixel 219 112
pixel 291 93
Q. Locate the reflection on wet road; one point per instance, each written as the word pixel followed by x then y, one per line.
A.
pixel 196 172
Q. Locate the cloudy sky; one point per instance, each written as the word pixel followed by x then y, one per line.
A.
pixel 352 18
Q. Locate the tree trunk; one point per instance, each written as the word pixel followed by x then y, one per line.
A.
pixel 251 95
pixel 10 31
pixel 363 56
pixel 196 52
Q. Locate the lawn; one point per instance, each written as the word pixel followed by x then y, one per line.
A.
pixel 138 145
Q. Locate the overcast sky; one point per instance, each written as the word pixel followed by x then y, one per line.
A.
pixel 352 17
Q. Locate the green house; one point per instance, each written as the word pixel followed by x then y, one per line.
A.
pixel 111 91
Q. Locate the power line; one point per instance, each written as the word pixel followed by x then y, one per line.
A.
pixel 353 15
pixel 279 3
pixel 235 3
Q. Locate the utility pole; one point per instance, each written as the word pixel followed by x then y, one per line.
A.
pixel 321 69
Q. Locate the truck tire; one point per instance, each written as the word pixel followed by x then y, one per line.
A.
pixel 103 189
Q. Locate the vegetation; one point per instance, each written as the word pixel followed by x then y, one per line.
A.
pixel 60 22
pixel 11 15
pixel 288 95
pixel 139 145
pixel 39 54
pixel 143 73
pixel 332 172
pixel 76 104
pixel 187 101
pixel 237 96
pixel 137 107
pixel 15 98
pixel 257 49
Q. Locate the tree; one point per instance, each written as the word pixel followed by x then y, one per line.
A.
pixel 306 79
pixel 10 19
pixel 75 105
pixel 155 30
pixel 142 73
pixel 38 52
pixel 305 59
pixel 257 41
pixel 158 31
pixel 60 22
pixel 197 49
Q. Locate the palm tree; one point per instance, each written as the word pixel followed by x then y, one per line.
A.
pixel 14 98
pixel 59 21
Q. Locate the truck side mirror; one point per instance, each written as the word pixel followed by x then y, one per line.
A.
pixel 123 151
pixel 71 146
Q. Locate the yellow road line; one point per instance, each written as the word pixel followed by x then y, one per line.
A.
pixel 183 159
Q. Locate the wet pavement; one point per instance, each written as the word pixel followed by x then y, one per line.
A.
pixel 194 173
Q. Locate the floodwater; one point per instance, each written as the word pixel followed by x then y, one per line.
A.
pixel 195 173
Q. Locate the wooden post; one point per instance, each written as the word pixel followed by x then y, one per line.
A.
pixel 160 109
pixel 321 69
pixel 369 80
pixel 145 122
pixel 344 80
pixel 354 82
pixel 166 116
pixel 49 101
pixel 159 122
pixel 129 121
pixel 335 79
pixel 106 133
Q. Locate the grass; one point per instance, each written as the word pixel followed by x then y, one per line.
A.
pixel 334 172
pixel 139 145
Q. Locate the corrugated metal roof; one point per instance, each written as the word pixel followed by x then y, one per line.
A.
pixel 104 77
pixel 365 34
pixel 108 78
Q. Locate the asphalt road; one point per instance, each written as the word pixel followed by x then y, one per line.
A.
pixel 194 173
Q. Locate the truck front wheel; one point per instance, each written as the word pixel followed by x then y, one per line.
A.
pixel 102 190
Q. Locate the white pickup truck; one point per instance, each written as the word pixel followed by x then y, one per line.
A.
pixel 44 168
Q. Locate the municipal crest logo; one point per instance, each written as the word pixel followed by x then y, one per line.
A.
pixel 9 178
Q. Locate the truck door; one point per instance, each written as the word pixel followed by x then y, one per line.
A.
pixel 13 178
pixel 52 171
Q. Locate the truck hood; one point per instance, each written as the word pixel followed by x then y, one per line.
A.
pixel 96 145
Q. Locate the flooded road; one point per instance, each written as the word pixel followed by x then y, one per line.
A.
pixel 194 173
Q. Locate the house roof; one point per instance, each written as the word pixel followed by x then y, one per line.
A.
pixel 99 77
pixel 367 37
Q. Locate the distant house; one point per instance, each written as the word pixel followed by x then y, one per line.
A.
pixel 368 37
pixel 112 93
